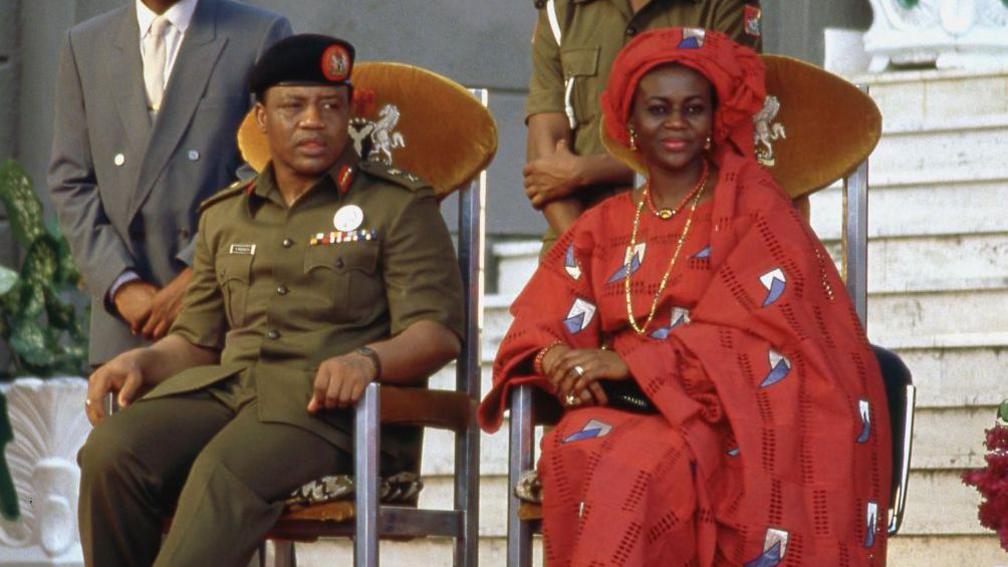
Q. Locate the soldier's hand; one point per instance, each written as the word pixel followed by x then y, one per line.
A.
pixel 133 302
pixel 123 374
pixel 553 176
pixel 340 381
pixel 165 306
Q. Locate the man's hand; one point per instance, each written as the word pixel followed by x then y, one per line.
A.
pixel 340 381
pixel 165 306
pixel 576 372
pixel 123 374
pixel 133 302
pixel 552 176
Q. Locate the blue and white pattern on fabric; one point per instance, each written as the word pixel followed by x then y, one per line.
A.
pixel 571 265
pixel 591 430
pixel 703 253
pixel 774 549
pixel 634 257
pixel 580 316
pixel 680 316
pixel 864 408
pixel 871 523
pixel 774 281
pixel 734 452
pixel 780 367
pixel 693 38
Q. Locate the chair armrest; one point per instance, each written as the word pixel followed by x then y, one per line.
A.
pixel 441 409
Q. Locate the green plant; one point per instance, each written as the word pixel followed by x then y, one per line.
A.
pixel 41 326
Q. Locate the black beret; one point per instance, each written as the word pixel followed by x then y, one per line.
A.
pixel 303 59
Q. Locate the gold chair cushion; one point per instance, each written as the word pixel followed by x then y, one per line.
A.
pixel 815 127
pixel 411 118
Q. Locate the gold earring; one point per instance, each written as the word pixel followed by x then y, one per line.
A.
pixel 707 143
pixel 633 139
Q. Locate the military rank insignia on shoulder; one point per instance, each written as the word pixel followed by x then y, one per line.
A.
pixel 235 188
pixel 387 172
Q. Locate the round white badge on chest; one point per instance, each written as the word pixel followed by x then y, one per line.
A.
pixel 348 218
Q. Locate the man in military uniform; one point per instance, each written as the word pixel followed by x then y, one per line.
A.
pixel 322 275
pixel 573 47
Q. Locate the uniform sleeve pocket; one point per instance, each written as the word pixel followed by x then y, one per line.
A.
pixel 580 62
pixel 581 83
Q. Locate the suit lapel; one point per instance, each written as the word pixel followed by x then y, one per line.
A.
pixel 127 76
pixel 193 67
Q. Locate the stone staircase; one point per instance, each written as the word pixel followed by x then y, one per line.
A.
pixel 938 296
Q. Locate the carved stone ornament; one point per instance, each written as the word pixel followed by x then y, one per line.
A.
pixel 49 427
pixel 946 34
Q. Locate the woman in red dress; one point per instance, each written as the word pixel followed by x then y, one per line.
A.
pixel 723 406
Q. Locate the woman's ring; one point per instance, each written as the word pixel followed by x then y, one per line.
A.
pixel 87 402
pixel 570 399
pixel 580 371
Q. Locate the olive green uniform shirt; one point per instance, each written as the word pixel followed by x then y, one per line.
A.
pixel 279 289
pixel 592 34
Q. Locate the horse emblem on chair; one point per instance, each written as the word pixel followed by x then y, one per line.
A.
pixel 381 134
pixel 766 131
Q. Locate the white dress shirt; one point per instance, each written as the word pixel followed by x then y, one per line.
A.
pixel 180 15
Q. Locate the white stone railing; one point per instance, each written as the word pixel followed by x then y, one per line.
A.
pixel 49 427
pixel 946 34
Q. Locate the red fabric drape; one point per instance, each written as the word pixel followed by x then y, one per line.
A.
pixel 772 444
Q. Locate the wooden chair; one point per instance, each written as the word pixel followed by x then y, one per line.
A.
pixel 451 410
pixel 387 405
pixel 531 407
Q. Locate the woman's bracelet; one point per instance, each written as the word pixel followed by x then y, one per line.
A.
pixel 537 362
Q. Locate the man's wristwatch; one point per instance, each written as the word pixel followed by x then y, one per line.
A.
pixel 370 353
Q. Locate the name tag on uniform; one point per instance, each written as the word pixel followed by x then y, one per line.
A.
pixel 242 249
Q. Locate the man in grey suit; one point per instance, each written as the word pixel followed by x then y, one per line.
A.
pixel 148 102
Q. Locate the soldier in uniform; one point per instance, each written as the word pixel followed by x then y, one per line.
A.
pixel 573 47
pixel 323 274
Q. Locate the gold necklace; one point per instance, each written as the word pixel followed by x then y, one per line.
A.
pixel 666 214
pixel 641 329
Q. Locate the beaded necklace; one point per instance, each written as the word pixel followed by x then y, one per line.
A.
pixel 696 193
pixel 666 214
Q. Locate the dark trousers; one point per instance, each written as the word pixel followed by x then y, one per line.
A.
pixel 223 471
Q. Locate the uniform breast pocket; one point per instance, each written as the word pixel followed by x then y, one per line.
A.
pixel 343 280
pixel 580 69
pixel 234 274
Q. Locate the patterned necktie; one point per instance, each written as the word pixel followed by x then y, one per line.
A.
pixel 154 53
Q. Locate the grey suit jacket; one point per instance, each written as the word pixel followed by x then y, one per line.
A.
pixel 125 189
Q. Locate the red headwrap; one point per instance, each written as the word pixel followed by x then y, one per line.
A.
pixel 736 72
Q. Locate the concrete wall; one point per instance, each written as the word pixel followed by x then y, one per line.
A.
pixel 480 43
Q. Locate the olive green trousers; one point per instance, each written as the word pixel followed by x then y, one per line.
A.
pixel 227 471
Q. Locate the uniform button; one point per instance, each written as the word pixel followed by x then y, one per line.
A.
pixel 273 334
pixel 631 30
pixel 281 289
pixel 119 159
pixel 287 243
pixel 193 155
pixel 339 262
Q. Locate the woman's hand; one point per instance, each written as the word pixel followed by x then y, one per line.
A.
pixel 575 373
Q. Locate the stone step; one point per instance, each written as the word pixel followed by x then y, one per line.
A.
pixel 973 307
pixel 946 550
pixel 953 150
pixel 955 371
pixel 950 438
pixel 934 262
pixel 923 95
pixel 516 261
pixel 939 208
